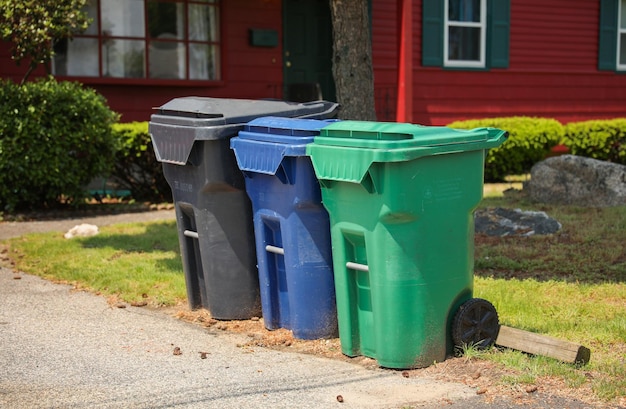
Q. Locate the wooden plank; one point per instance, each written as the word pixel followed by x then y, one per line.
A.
pixel 538 344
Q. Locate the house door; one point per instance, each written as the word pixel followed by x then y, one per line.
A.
pixel 307 50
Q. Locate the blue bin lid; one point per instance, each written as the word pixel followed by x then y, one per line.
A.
pixel 263 143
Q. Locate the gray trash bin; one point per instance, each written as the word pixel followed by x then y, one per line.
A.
pixel 191 137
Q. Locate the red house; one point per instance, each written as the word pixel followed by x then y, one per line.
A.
pixel 435 61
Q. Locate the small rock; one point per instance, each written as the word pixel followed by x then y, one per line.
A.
pixel 139 303
pixel 287 343
pixel 177 351
pixel 405 374
pixel 16 277
pixel 339 398
pixel 481 391
pixel 531 388
pixel 255 319
pixel 81 230
pixel 203 355
pixel 476 375
pixel 120 305
pixel 502 222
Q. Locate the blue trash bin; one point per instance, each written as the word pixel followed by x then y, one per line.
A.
pixel 291 227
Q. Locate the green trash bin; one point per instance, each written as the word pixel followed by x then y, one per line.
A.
pixel 400 199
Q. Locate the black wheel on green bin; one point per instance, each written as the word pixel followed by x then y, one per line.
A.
pixel 475 324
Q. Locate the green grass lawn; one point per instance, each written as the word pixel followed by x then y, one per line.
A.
pixel 571 285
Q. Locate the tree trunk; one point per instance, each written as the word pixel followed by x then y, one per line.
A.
pixel 352 59
pixel 31 67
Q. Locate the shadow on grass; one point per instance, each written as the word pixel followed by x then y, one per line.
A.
pixel 158 237
pixel 589 248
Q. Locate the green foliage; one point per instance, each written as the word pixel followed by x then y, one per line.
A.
pixel 599 139
pixel 530 141
pixel 136 167
pixel 55 137
pixel 33 26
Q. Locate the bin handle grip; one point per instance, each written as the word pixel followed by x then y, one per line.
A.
pixel 275 250
pixel 358 266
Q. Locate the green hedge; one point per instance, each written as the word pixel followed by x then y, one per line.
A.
pixel 599 139
pixel 136 167
pixel 530 141
pixel 55 137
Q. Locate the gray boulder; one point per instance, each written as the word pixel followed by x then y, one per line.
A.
pixel 579 181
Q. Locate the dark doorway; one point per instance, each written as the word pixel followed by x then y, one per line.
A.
pixel 307 50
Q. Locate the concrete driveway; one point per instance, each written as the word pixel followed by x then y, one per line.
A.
pixel 68 349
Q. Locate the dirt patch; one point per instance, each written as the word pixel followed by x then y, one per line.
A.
pixel 259 336
pixel 485 377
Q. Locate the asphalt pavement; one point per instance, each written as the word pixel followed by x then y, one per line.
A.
pixel 62 348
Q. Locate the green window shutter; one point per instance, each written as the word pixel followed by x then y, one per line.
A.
pixel 432 33
pixel 498 28
pixel 607 47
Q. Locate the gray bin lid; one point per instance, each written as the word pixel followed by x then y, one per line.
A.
pixel 182 121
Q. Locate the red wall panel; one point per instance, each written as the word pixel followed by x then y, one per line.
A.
pixel 552 69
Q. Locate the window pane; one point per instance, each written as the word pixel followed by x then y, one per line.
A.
pixel 203 62
pixel 166 20
pixel 78 57
pixel 464 43
pixel 123 58
pixel 203 23
pixel 464 10
pixel 167 60
pixel 91 8
pixel 622 49
pixel 122 18
pixel 622 21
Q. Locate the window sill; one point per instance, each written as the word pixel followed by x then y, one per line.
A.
pixel 141 81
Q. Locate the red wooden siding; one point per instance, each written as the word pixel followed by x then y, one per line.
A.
pixel 553 57
pixel 9 69
pixel 385 56
pixel 552 69
pixel 559 34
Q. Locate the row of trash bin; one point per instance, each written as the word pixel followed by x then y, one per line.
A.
pixel 359 228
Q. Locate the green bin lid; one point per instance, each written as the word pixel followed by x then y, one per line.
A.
pixel 344 151
pixel 390 135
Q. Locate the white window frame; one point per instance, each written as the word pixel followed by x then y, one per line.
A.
pixel 620 31
pixel 482 25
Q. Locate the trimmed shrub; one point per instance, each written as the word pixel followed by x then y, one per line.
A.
pixel 136 167
pixel 599 139
pixel 55 137
pixel 530 141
